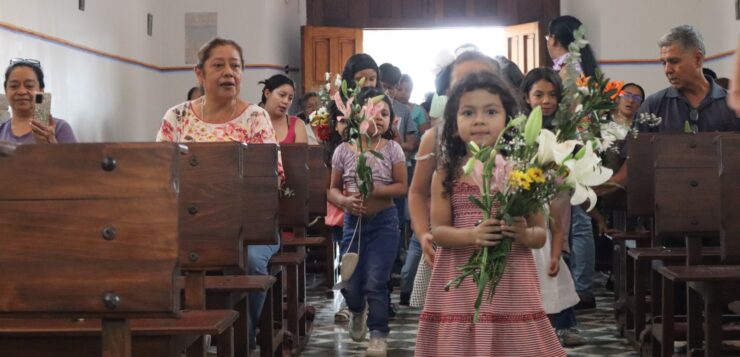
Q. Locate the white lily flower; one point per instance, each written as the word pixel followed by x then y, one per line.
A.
pixel 585 173
pixel 337 81
pixel 550 150
pixel 327 76
pixel 328 86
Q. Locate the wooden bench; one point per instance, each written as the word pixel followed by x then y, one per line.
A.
pixel 293 215
pixel 639 204
pixel 715 285
pixel 113 210
pixel 218 182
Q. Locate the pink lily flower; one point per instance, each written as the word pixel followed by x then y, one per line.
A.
pixel 501 173
pixel 345 109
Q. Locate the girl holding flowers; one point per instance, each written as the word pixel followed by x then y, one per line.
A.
pixel 371 221
pixel 514 322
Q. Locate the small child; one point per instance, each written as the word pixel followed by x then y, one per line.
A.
pixel 514 323
pixel 366 291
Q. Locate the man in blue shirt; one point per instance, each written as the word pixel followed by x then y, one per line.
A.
pixel 693 102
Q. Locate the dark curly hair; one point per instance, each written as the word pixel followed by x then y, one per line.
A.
pixel 454 147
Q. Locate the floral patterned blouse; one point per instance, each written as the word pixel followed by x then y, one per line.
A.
pixel 251 126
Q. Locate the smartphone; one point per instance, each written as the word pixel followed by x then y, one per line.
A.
pixel 42 107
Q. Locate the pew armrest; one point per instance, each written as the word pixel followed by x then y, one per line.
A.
pixel 288 258
pixel 307 241
pixel 631 236
pixel 200 322
pixel 701 273
pixel 248 283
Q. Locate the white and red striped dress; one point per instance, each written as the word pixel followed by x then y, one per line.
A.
pixel 513 324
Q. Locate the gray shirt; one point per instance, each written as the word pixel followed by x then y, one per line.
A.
pixel 406 125
pixel 713 114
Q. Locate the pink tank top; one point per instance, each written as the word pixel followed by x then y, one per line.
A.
pixel 290 136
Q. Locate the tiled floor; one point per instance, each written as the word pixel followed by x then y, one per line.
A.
pixel 330 339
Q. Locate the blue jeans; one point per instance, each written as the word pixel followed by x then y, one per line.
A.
pixel 564 319
pixel 408 273
pixel 582 252
pixel 378 248
pixel 257 258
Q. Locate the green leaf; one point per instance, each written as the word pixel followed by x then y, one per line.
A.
pixel 581 152
pixel 477 202
pixel 473 147
pixel 468 168
pixel 376 154
pixel 360 82
pixel 533 126
pixel 687 127
pixel 344 88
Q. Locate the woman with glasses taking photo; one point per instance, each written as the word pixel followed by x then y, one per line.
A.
pixel 23 79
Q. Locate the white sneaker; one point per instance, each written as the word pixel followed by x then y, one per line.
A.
pixel 571 337
pixel 358 326
pixel 377 347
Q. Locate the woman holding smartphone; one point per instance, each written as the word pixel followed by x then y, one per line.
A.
pixel 23 80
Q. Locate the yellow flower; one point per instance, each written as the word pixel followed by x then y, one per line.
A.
pixel 520 179
pixel 536 174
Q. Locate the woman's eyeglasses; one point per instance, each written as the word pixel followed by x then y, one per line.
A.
pixel 634 97
pixel 29 61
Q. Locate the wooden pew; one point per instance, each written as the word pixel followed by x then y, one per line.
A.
pixel 293 215
pixel 230 200
pixel 113 210
pixel 318 186
pixel 639 204
pixel 218 182
pixel 716 285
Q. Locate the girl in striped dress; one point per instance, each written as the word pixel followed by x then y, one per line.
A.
pixel 514 323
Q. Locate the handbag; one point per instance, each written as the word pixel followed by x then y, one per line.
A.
pixel 334 215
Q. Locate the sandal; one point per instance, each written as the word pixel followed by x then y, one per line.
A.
pixel 342 315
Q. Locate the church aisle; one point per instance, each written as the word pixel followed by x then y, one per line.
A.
pixel 330 339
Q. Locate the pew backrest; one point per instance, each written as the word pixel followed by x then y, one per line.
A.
pixel 686 184
pixel 729 173
pixel 294 208
pixel 319 181
pixel 640 190
pixel 211 206
pixel 261 202
pixel 89 230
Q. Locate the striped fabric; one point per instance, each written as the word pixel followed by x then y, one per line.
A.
pixel 513 324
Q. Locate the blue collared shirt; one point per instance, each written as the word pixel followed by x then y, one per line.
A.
pixel 713 113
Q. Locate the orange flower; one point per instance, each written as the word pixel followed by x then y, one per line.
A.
pixel 582 81
pixel 616 85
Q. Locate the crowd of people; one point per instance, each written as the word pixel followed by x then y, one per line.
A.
pixel 420 196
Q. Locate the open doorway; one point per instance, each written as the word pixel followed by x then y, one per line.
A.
pixel 415 51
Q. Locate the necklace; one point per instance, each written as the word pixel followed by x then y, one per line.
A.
pixel 203 110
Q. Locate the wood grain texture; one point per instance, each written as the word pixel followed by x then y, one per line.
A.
pixel 730 198
pixel 294 210
pixel 72 231
pixel 211 212
pixel 640 173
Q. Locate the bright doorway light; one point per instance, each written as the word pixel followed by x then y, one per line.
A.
pixel 414 51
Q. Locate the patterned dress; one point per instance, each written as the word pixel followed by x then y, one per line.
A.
pixel 514 324
pixel 252 126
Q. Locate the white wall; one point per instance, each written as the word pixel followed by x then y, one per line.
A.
pixel 268 31
pixel 108 100
pixel 630 29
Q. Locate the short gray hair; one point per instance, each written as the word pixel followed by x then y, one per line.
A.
pixel 685 35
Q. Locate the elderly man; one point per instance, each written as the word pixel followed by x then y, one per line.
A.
pixel 692 101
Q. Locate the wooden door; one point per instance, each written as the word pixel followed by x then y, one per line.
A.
pixel 525 46
pixel 326 49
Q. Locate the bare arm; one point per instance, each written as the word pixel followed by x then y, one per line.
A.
pixel 420 194
pixel 560 228
pixel 301 136
pixel 398 187
pixel 409 144
pixel 353 204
